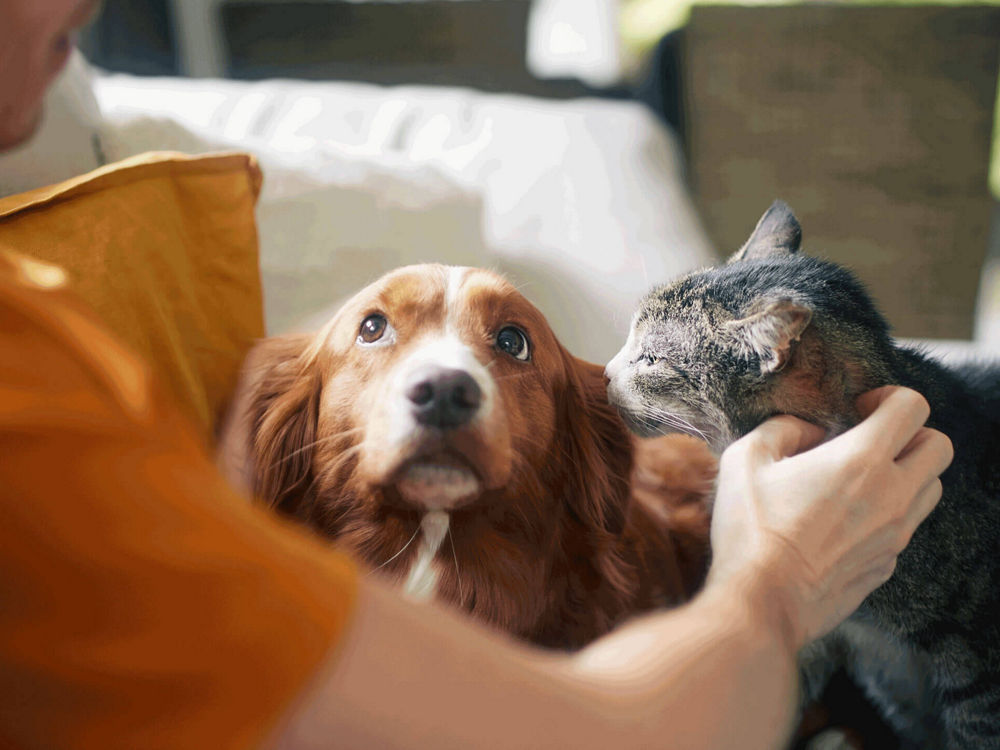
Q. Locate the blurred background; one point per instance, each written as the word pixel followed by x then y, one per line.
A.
pixel 608 143
pixel 549 48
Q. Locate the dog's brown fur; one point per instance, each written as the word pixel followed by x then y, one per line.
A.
pixel 577 526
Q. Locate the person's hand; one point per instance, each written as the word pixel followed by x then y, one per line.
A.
pixel 812 533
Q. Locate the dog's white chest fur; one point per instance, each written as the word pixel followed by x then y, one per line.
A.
pixel 421 583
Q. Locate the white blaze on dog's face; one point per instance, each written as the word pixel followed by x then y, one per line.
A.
pixel 439 385
pixel 439 368
pixel 436 429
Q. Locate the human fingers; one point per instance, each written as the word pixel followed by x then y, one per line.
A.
pixel 925 501
pixel 893 416
pixel 784 435
pixel 847 595
pixel 884 544
pixel 869 401
pixel 929 451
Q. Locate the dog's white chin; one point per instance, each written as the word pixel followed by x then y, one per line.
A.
pixel 437 486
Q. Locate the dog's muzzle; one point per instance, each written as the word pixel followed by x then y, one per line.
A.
pixel 443 397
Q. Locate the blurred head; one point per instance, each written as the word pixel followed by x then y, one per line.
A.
pixel 36 37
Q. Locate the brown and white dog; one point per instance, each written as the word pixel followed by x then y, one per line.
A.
pixel 437 429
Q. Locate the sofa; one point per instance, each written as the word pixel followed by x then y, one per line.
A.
pixel 584 203
pixel 581 202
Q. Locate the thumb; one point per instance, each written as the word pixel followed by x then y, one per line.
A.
pixel 785 436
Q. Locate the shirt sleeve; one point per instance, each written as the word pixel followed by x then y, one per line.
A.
pixel 143 602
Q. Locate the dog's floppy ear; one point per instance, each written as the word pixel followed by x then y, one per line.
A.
pixel 266 443
pixel 597 457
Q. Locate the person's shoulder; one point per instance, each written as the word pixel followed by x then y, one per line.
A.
pixel 44 324
pixel 24 271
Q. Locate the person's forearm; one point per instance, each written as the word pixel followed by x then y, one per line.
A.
pixel 717 673
pixel 708 675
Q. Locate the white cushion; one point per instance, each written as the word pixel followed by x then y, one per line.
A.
pixel 66 143
pixel 581 202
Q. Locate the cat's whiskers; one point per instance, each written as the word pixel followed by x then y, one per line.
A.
pixel 672 419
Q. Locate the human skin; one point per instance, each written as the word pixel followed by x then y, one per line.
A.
pixel 36 38
pixel 800 538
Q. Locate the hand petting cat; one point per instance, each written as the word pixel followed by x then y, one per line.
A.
pixel 850 507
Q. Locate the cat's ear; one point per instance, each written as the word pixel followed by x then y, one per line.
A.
pixel 771 333
pixel 777 233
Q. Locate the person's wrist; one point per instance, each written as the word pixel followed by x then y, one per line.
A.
pixel 761 602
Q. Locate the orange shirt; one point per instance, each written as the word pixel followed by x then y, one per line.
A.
pixel 143 603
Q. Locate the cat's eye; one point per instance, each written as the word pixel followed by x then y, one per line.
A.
pixel 372 328
pixel 514 341
pixel 649 359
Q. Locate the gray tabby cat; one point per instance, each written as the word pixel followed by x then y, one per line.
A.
pixel 772 331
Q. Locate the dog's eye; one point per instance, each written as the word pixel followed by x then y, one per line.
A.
pixel 514 342
pixel 372 328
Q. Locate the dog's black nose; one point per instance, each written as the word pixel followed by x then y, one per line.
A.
pixel 443 397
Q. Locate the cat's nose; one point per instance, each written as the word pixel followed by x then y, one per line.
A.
pixel 612 368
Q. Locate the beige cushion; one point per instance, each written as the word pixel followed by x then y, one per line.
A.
pixel 873 123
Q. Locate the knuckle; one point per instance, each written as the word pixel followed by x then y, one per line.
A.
pixel 754 439
pixel 944 446
pixel 929 499
pixel 728 458
pixel 881 570
pixel 738 446
pixel 935 490
pixel 915 402
pixel 938 489
pixel 739 452
pixel 889 569
pixel 901 538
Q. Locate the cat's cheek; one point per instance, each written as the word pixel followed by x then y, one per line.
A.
pixel 617 395
pixel 614 368
pixel 627 406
